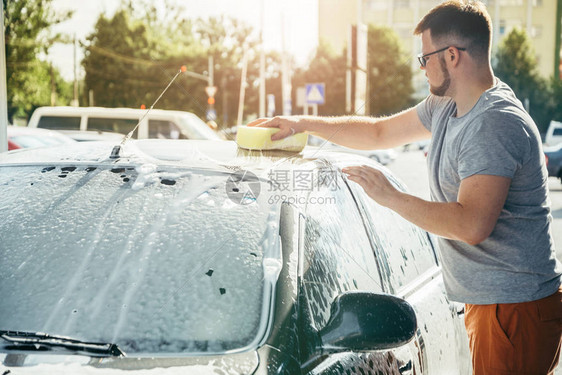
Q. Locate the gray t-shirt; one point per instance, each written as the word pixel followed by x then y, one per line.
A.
pixel 517 263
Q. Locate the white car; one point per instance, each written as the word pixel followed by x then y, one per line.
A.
pixel 554 133
pixel 158 123
pixel 383 157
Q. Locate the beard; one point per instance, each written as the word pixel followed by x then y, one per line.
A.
pixel 442 89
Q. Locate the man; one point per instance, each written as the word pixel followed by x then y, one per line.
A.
pixel 488 186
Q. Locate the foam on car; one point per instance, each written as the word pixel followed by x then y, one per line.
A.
pixel 259 138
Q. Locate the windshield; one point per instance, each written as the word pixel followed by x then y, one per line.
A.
pixel 153 261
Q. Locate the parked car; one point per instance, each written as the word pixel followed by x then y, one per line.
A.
pixel 22 137
pixel 553 157
pixel 158 123
pixel 95 135
pixel 196 257
pixel 383 157
pixel 554 134
pixel 422 145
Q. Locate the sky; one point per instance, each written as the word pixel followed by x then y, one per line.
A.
pixel 301 24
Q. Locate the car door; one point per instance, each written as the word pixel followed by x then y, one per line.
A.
pixel 337 256
pixel 410 269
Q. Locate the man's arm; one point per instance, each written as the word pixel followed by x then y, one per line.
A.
pixel 359 132
pixel 471 219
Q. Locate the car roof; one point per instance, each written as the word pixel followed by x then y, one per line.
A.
pixel 210 155
pixel 67 110
pixel 190 153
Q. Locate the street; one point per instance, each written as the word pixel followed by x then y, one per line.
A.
pixel 410 167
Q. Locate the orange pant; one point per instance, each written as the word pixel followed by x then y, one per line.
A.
pixel 515 338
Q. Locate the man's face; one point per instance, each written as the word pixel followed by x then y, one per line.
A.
pixel 436 69
pixel 441 90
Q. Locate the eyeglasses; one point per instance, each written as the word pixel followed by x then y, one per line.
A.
pixel 422 58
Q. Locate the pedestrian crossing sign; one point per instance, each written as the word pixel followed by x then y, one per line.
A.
pixel 315 93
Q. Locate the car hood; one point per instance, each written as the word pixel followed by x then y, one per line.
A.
pixel 228 364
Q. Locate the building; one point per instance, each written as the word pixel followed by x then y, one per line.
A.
pixel 540 18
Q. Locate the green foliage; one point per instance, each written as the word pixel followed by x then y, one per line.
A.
pixel 328 68
pixel 154 41
pixel 29 80
pixel 516 65
pixel 134 69
pixel 555 103
pixel 390 75
pixel 120 71
pixel 225 39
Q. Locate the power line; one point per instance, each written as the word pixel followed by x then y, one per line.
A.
pixel 114 55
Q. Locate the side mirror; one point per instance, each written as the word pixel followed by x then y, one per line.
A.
pixel 363 321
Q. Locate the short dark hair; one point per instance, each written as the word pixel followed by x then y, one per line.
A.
pixel 458 21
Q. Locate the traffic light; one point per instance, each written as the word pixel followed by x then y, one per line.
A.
pixel 211 100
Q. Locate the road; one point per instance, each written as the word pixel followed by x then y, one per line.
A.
pixel 410 167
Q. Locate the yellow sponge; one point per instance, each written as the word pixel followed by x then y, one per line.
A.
pixel 259 138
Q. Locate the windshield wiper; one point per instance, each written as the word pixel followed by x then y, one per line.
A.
pixel 20 341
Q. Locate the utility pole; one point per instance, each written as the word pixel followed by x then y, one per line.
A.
pixel 242 87
pixel 357 92
pixel 3 90
pixel 262 63
pixel 557 65
pixel 496 31
pixel 53 87
pixel 225 117
pixel 286 87
pixel 211 71
pixel 75 100
pixel 529 25
pixel 211 91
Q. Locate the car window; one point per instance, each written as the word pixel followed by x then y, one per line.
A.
pixel 115 125
pixel 557 131
pixel 131 256
pixel 403 249
pixel 194 128
pixel 59 122
pixel 338 256
pixel 163 129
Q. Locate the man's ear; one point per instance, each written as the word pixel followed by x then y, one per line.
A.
pixel 454 56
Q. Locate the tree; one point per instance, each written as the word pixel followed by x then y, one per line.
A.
pixel 26 33
pixel 135 68
pixel 389 73
pixel 516 65
pixel 555 102
pixel 329 68
pixel 119 70
pixel 226 39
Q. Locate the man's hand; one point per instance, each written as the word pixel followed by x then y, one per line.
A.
pixel 287 126
pixel 373 181
pixel 470 219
